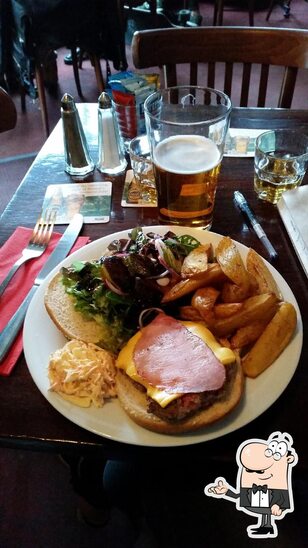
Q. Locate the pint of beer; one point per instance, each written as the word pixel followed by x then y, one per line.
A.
pixel 186 127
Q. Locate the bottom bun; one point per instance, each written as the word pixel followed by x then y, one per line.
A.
pixel 134 402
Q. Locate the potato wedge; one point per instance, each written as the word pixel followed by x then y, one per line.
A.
pixel 264 278
pixel 258 307
pixel 254 287
pixel 189 313
pixel 230 260
pixel 224 342
pixel 247 334
pixel 212 275
pixel 204 299
pixel 224 310
pixel 274 339
pixel 234 293
pixel 196 262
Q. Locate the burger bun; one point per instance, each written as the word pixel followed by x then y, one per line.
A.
pixel 60 307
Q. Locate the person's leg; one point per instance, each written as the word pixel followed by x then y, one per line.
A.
pixel 124 488
pixel 68 60
pixel 87 481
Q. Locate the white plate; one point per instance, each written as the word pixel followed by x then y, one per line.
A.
pixel 41 338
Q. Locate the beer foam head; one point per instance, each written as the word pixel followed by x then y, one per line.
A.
pixel 186 154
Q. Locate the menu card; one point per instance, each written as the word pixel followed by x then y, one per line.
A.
pixel 293 209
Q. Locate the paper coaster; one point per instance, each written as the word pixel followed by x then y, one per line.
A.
pixel 92 200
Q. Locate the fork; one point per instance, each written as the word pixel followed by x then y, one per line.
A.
pixel 37 244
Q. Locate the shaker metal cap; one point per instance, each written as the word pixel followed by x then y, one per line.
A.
pixel 104 100
pixel 68 103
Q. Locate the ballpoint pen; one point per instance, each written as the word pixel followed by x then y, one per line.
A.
pixel 245 209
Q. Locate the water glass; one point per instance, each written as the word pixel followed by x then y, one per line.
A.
pixel 130 120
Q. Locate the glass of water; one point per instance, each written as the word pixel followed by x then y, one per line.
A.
pixel 281 159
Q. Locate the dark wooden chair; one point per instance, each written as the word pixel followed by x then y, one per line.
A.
pixel 219 10
pixel 249 46
pixel 8 115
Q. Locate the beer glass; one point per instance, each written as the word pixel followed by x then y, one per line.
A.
pixel 186 128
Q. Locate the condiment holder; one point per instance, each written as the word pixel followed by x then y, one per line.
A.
pixel 111 157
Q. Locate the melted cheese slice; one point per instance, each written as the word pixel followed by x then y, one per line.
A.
pixel 125 360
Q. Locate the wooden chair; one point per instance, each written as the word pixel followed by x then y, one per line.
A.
pixel 219 10
pixel 40 81
pixel 8 115
pixel 287 48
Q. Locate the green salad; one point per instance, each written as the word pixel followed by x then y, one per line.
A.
pixel 131 277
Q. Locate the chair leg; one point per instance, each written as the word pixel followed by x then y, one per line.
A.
pixel 219 9
pixel 42 97
pixel 81 53
pixel 215 14
pixel 98 73
pixel 270 9
pixel 251 12
pixel 108 70
pixel 76 71
pixel 23 98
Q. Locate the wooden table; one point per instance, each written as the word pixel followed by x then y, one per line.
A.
pixel 28 421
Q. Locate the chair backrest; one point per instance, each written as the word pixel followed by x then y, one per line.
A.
pixel 249 46
pixel 8 115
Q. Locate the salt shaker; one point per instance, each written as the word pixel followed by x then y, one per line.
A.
pixel 78 161
pixel 111 157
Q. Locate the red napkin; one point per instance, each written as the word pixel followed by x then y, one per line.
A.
pixel 21 283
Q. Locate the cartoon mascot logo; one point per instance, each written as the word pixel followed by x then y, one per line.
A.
pixel 264 487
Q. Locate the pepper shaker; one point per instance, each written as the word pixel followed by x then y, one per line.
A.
pixel 78 161
pixel 111 157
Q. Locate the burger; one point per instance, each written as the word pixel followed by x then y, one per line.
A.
pixel 174 377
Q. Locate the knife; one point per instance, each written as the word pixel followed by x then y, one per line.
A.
pixel 66 242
